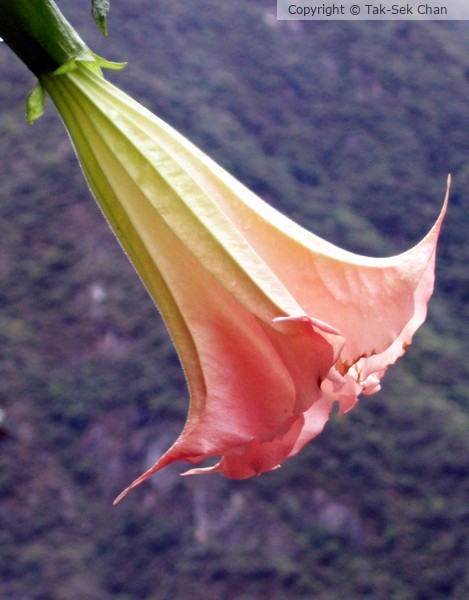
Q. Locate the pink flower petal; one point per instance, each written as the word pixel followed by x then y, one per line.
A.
pixel 272 324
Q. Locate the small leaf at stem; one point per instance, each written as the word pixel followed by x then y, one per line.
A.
pixel 36 102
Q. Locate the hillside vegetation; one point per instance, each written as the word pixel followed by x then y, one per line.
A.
pixel 350 128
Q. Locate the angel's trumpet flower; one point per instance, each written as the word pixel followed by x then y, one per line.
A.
pixel 272 324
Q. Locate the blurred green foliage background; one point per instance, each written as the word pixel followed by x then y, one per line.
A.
pixel 348 127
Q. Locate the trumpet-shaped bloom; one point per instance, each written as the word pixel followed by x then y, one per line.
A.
pixel 272 324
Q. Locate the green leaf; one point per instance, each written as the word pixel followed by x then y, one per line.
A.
pixel 100 9
pixel 91 61
pixel 36 103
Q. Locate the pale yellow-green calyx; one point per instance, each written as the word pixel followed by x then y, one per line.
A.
pixel 151 183
pixel 36 101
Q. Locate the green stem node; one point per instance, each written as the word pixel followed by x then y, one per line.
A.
pixel 39 34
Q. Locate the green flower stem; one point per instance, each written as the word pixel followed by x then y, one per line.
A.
pixel 39 34
pixel 43 39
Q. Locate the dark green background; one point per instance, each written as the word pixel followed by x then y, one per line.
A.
pixel 350 128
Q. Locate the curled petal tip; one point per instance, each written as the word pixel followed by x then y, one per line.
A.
pixel 305 320
pixel 134 484
pixel 436 227
pixel 121 496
